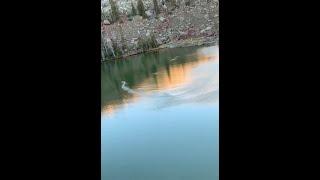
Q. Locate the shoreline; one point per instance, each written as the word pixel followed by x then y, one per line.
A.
pixel 190 42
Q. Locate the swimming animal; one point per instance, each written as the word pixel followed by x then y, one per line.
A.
pixel 175 58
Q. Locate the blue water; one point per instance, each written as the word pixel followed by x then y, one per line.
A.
pixel 165 133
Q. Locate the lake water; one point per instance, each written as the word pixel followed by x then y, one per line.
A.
pixel 162 122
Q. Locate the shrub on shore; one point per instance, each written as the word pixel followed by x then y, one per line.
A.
pixel 141 9
pixel 115 15
pixel 147 43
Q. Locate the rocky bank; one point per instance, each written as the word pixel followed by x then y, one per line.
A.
pixel 195 24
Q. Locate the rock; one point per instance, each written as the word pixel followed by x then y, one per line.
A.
pixel 208 28
pixel 164 7
pixel 108 40
pixel 106 22
pixel 202 31
pixel 183 33
pixel 210 34
pixel 162 19
pixel 134 40
pixel 137 18
pixel 148 13
pixel 159 41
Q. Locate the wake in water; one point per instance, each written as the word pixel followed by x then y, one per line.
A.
pixel 129 90
pixel 203 87
pixel 141 93
pixel 202 91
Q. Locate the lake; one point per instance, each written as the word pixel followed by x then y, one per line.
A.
pixel 160 116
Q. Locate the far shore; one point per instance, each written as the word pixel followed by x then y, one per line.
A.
pixel 176 44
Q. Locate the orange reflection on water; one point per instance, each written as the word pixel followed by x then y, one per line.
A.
pixel 175 75
pixel 203 58
pixel 110 108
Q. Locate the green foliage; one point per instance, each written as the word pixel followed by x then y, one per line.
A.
pixel 147 43
pixel 141 9
pixel 156 7
pixel 117 50
pixel 122 40
pixel 174 3
pixel 108 16
pixel 106 53
pixel 103 16
pixel 133 10
pixel 187 2
pixel 152 41
pixel 115 15
pixel 140 43
pixel 103 50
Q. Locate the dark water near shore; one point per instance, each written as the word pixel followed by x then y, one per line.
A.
pixel 163 123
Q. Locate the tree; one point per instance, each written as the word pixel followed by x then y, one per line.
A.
pixel 141 9
pixel 103 16
pixel 114 11
pixel 188 2
pixel 156 7
pixel 116 48
pixel 122 40
pixel 152 41
pixel 133 10
pixel 173 3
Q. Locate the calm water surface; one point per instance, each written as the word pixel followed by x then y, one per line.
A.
pixel 163 123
